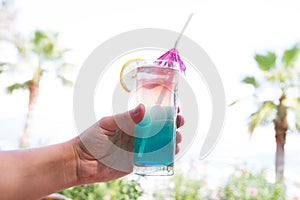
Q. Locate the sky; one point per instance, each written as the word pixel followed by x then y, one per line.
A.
pixel 230 32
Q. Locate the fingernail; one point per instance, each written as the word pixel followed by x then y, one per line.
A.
pixel 136 111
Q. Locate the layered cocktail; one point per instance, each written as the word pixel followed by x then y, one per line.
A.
pixel 154 136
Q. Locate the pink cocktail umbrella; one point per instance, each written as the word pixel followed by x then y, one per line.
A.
pixel 170 57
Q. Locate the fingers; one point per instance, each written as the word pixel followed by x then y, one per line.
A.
pixel 123 141
pixel 178 137
pixel 179 121
pixel 178 140
pixel 177 149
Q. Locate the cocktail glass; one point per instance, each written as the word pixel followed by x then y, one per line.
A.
pixel 155 135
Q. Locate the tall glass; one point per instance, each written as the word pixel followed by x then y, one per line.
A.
pixel 155 135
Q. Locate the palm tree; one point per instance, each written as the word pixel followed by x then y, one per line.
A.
pixel 39 52
pixel 281 78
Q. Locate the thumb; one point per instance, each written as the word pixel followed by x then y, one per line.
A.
pixel 138 113
pixel 124 121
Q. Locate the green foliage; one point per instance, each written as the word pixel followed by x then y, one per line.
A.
pixel 4 66
pixel 129 190
pixel 44 44
pixel 247 185
pixel 84 192
pixel 184 188
pixel 283 78
pixel 61 71
pixel 266 62
pixel 17 86
pixel 189 189
pixel 294 104
pixel 241 184
pixel 121 189
pixel 290 56
pixel 264 112
pixel 45 47
pixel 65 81
pixel 40 52
pixel 251 80
pixel 284 73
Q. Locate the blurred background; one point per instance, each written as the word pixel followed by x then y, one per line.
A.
pixel 44 43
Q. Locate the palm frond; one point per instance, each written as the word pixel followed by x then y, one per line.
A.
pixel 2 64
pixel 241 99
pixel 2 67
pixel 260 117
pixel 251 80
pixel 266 62
pixel 290 56
pixel 17 86
pixel 61 71
pixel 56 53
pixel 20 45
pixel 65 67
pixel 44 44
pixel 65 81
pixel 234 102
pixel 294 105
pixel 298 122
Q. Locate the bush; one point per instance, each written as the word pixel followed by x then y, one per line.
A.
pixel 247 185
pixel 84 192
pixel 121 189
pixel 182 187
pixel 241 184
pixel 190 189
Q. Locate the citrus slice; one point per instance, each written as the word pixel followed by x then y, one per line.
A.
pixel 128 74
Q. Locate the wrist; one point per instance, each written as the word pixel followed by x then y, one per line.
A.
pixel 70 163
pixel 86 166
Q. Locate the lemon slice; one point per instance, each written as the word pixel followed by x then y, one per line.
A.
pixel 128 74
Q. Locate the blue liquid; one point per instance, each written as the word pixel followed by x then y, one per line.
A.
pixel 154 142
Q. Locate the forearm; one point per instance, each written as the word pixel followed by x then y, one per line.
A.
pixel 34 173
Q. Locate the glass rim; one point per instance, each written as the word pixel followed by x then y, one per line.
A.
pixel 158 63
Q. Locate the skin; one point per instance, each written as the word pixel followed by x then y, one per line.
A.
pixel 101 153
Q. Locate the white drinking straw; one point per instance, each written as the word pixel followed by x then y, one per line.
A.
pixel 183 29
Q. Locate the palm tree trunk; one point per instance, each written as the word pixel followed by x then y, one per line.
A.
pixel 34 86
pixel 281 127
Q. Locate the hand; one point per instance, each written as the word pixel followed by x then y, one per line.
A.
pixel 105 150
